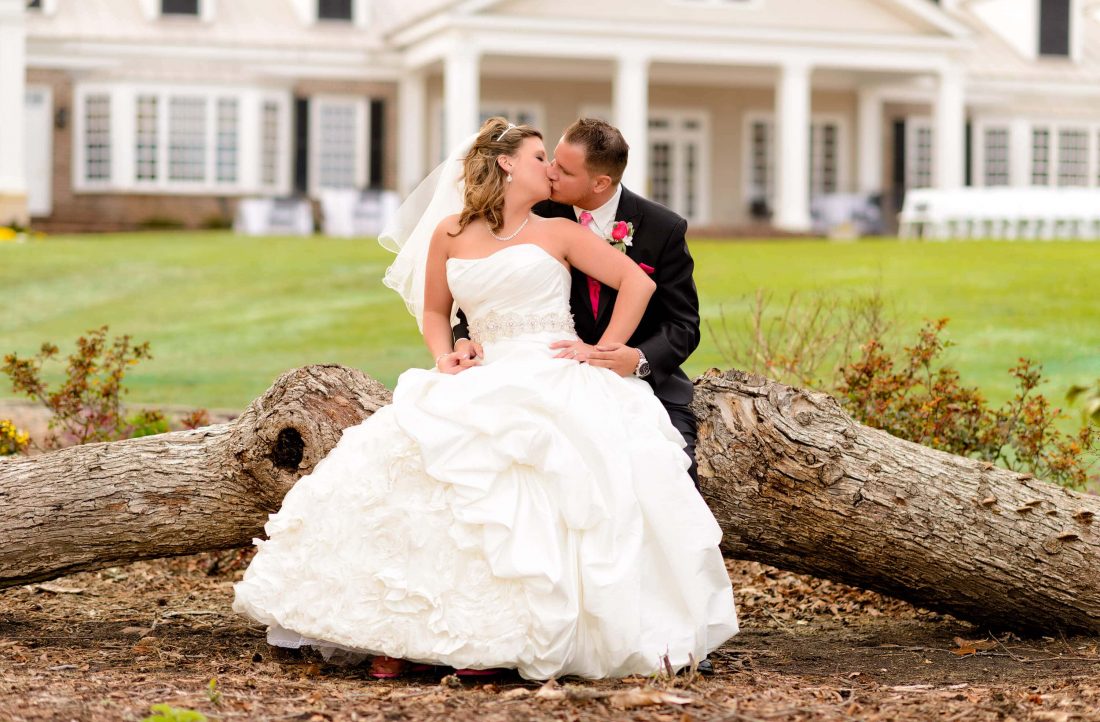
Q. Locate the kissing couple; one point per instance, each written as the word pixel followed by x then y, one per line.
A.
pixel 529 502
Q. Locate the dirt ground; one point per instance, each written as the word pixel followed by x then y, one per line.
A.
pixel 106 645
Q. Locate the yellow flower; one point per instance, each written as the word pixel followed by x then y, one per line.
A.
pixel 8 234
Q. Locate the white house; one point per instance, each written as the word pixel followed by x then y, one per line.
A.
pixel 140 112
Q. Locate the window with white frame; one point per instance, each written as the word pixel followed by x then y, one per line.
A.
pixel 179 7
pixel 187 138
pixel 514 112
pixel 762 161
pixel 146 131
pixel 995 149
pixel 660 165
pixel 823 158
pixel 1040 156
pixel 520 114
pixel 226 161
pixel 1054 27
pixel 269 141
pixel 334 10
pixel 1073 157
pixel 97 137
pixel 824 150
pixel 340 142
pixel 919 154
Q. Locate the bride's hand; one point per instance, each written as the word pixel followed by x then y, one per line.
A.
pixel 449 363
pixel 469 352
pixel 576 350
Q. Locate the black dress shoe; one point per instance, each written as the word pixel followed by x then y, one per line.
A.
pixel 705 668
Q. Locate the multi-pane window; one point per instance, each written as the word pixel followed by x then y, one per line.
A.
pixel 97 137
pixel 762 173
pixel 1040 156
pixel 225 162
pixel 337 152
pixel 520 115
pixel 334 9
pixel 660 172
pixel 179 7
pixel 34 4
pixel 823 159
pixel 1054 22
pixel 996 150
pixel 1073 157
pixel 269 143
pixel 187 138
pixel 146 146
pixel 691 192
pixel 919 161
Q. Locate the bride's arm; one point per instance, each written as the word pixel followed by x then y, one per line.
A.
pixel 438 302
pixel 610 267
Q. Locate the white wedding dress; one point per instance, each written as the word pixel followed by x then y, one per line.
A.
pixel 532 512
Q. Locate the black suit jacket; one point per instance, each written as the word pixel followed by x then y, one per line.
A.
pixel 669 330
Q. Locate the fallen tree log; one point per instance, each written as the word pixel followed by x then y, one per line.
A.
pixel 792 479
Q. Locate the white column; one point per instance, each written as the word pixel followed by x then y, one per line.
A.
pixel 792 115
pixel 630 98
pixel 869 150
pixel 461 94
pixel 412 106
pixel 1019 153
pixel 13 70
pixel 949 130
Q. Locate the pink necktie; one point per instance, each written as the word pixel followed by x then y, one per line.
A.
pixel 585 219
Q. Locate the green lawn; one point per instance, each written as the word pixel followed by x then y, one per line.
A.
pixel 225 315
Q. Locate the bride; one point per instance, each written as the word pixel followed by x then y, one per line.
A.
pixel 517 511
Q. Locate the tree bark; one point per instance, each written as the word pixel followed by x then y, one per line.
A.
pixel 792 479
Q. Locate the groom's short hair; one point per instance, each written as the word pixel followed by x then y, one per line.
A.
pixel 605 149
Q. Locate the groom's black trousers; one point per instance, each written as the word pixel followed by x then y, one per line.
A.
pixel 688 426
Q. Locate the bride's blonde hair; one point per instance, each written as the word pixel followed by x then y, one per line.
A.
pixel 483 192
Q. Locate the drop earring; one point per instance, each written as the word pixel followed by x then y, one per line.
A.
pixel 509 178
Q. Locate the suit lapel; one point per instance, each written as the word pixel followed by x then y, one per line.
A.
pixel 629 210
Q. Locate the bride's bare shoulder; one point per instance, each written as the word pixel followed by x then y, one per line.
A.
pixel 448 226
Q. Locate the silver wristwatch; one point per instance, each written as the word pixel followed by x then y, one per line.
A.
pixel 642 370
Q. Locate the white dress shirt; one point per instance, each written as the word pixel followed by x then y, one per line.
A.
pixel 604 216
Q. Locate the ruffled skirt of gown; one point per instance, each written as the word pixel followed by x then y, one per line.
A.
pixel 531 513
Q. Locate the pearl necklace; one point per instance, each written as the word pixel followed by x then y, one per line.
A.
pixel 508 238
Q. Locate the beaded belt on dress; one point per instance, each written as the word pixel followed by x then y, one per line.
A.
pixel 493 326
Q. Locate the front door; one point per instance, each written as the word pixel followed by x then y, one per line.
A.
pixel 678 162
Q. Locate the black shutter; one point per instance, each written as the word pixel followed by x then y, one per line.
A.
pixel 334 9
pixel 1054 27
pixel 898 175
pixel 179 7
pixel 377 141
pixel 968 141
pixel 301 146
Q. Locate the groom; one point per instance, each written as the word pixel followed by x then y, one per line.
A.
pixel 585 176
pixel 585 186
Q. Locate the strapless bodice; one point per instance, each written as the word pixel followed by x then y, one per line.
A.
pixel 517 290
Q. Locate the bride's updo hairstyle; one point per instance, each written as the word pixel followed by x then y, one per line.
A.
pixel 483 194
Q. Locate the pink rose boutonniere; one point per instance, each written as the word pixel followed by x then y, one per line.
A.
pixel 620 236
